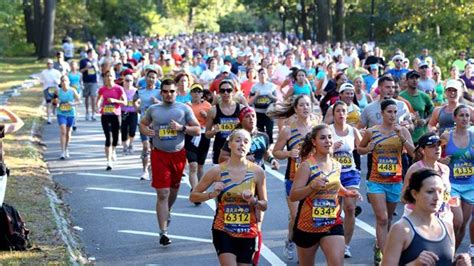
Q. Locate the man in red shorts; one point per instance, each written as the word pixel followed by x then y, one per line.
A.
pixel 167 123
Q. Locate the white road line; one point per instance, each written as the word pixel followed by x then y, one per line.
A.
pixel 111 176
pixel 359 223
pixel 170 236
pixel 154 212
pixel 129 191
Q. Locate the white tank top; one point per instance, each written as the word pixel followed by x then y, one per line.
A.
pixel 344 153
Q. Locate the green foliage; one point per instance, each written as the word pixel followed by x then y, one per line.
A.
pixel 13 41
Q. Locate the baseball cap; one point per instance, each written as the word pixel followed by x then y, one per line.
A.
pixel 452 83
pixel 374 67
pixel 196 86
pixel 346 86
pixel 422 64
pixel 225 68
pixel 428 139
pixel 342 67
pixel 413 73
pixel 397 57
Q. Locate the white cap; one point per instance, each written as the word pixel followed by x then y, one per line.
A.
pixel 397 56
pixel 225 68
pixel 422 64
pixel 453 83
pixel 346 86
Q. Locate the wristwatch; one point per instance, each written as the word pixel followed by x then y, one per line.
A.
pixel 184 128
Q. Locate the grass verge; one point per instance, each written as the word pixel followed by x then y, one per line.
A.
pixel 13 70
pixel 29 176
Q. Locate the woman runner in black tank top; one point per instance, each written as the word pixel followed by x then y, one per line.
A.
pixel 421 238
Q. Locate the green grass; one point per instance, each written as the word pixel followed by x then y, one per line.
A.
pixel 13 70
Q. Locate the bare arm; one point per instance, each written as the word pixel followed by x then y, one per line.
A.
pixel 15 121
pixel 278 151
pixel 198 194
pixel 211 129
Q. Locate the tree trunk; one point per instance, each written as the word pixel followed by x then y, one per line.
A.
pixel 339 25
pixel 29 21
pixel 323 20
pixel 48 28
pixel 304 21
pixel 160 8
pixel 38 22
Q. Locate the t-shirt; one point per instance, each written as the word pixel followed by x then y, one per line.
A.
pixel 197 108
pixel 426 85
pixel 108 108
pixel 184 98
pixel 258 148
pixel 422 104
pixel 68 48
pixel 372 113
pixel 246 86
pixel 50 78
pixel 460 64
pixel 262 102
pixel 397 72
pixel 145 98
pixel 369 81
pixel 90 75
pixel 160 116
pixel 141 84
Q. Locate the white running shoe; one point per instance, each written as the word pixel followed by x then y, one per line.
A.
pixel 347 252
pixel 66 154
pixel 114 156
pixel 145 176
pixel 130 149
pixel 49 120
pixel 109 166
pixel 63 156
pixel 87 117
pixel 290 250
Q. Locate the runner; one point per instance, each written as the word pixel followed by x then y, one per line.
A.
pixel 346 95
pixel 182 83
pixel 128 126
pixel 427 155
pixel 68 98
pixel 109 101
pixel 363 98
pixel 292 137
pixel 222 118
pixel 316 187
pixel 167 123
pixel 197 147
pixel 421 238
pixel 88 67
pixel 346 139
pixel 50 79
pixel 385 142
pixel 460 151
pixel 143 99
pixel 240 189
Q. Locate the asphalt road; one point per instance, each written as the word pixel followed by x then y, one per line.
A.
pixel 116 211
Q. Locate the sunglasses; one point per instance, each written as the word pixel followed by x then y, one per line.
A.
pixel 168 91
pixel 423 67
pixel 196 91
pixel 398 60
pixel 129 80
pixel 225 90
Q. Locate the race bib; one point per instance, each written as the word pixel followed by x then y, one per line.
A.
pixel 237 218
pixel 344 158
pixel 463 170
pixel 166 133
pixel 262 102
pixel 227 125
pixel 109 109
pixel 387 166
pixel 129 103
pixel 65 107
pixel 91 71
pixel 324 212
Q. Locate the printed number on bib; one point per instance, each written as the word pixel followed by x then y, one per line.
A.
pixel 344 158
pixel 463 170
pixel 166 133
pixel 227 125
pixel 65 107
pixel 237 218
pixel 109 109
pixel 130 103
pixel 91 71
pixel 324 212
pixel 387 166
pixel 263 100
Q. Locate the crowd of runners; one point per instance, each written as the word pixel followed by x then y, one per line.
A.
pixel 329 105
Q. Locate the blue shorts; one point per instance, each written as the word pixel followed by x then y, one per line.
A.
pixel 66 120
pixel 351 179
pixel 392 191
pixel 463 191
pixel 144 137
pixel 288 185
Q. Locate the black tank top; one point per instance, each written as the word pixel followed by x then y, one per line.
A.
pixel 227 124
pixel 441 247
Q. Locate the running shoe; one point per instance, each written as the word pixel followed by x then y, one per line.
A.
pixel 290 250
pixel 347 252
pixel 164 240
pixel 93 118
pixel 74 128
pixel 49 120
pixel 109 166
pixel 130 149
pixel 63 156
pixel 145 176
pixel 66 154
pixel 377 255
pixel 471 250
pixel 87 117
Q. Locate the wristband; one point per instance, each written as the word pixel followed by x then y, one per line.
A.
pixel 270 159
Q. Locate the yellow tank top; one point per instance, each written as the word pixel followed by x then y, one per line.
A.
pixel 386 157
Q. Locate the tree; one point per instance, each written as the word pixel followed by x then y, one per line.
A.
pixel 339 25
pixel 47 36
pixel 323 20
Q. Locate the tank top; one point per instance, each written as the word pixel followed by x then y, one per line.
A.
pixel 295 141
pixel 386 157
pixel 445 120
pixel 233 214
pixel 441 247
pixel 363 102
pixel 75 80
pixel 66 103
pixel 462 161
pixel 298 89
pixel 353 114
pixel 321 210
pixel 129 108
pixel 344 153
pixel 227 122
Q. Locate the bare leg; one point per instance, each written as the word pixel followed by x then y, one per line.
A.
pixel 307 256
pixel 333 248
pixel 380 210
pixel 349 205
pixel 193 169
pixel 162 209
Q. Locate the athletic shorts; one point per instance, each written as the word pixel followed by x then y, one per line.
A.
pixel 306 240
pixel 351 179
pixel 392 191
pixel 197 154
pixel 90 89
pixel 66 120
pixel 242 248
pixel 288 185
pixel 463 191
pixel 48 97
pixel 167 168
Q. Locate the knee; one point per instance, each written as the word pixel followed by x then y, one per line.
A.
pixel 163 195
pixel 349 210
pixel 382 219
pixel 145 154
pixel 193 167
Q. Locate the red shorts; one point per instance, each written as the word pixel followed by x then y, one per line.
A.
pixel 167 168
